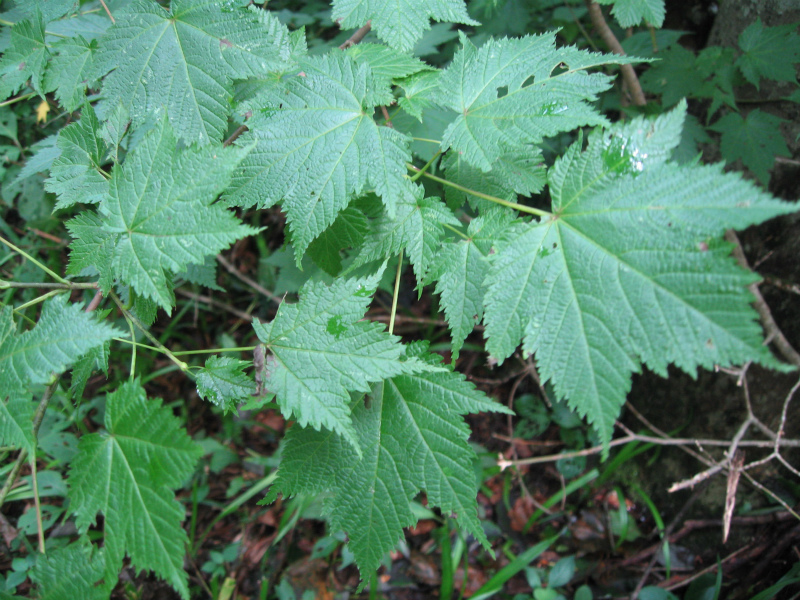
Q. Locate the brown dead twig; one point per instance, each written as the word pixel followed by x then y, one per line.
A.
pixel 631 81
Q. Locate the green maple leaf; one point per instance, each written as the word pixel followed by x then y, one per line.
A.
pixel 185 60
pixel 61 336
pixel 769 52
pixel 322 148
pixel 757 140
pixel 77 174
pixel 26 58
pixel 159 215
pixel 630 13
pixel 85 568
pixel 127 473
pixel 223 382
pixel 413 438
pixel 400 23
pixel 417 228
pixel 69 71
pixel 628 270
pixel 513 92
pixel 320 351
pixel 460 269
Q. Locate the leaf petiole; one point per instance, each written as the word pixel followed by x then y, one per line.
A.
pixel 33 260
pixel 520 207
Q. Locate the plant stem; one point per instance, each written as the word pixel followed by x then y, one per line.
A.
pixel 47 286
pixel 37 421
pixel 396 290
pixel 161 347
pixel 427 166
pixel 456 231
pixel 520 207
pixel 357 36
pixel 34 261
pixel 11 101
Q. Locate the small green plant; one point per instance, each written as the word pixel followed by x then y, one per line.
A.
pixel 184 123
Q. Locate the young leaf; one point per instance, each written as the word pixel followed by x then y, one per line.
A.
pixel 322 148
pixel 185 60
pixel 320 351
pixel 460 269
pixel 417 228
pixel 223 382
pixel 387 62
pixel 400 23
pixel 77 175
pixel 512 92
pixel 70 572
pixel 158 215
pixel 62 335
pixel 769 52
pixel 127 473
pixel 26 57
pixel 627 271
pixel 756 139
pixel 413 439
pixel 630 13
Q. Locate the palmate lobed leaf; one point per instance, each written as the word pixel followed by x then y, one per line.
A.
pixel 185 60
pixel 400 23
pixel 320 351
pixel 61 336
pixel 127 473
pixel 26 58
pixel 627 270
pixel 512 92
pixel 320 148
pixel 159 215
pixel 70 572
pixel 412 439
pixel 630 13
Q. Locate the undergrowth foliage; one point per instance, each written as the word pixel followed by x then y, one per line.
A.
pixel 608 259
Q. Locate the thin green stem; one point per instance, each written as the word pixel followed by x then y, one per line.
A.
pixel 418 139
pixel 37 300
pixel 427 166
pixel 33 260
pixel 520 207
pixel 185 352
pixel 133 350
pixel 47 286
pixel 396 290
pixel 456 231
pixel 37 421
pixel 161 347
pixel 11 101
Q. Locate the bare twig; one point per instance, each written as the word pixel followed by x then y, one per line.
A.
pixel 628 74
pixel 230 268
pixel 357 36
pixel 771 328
pixel 108 12
pixel 216 303
pixel 239 131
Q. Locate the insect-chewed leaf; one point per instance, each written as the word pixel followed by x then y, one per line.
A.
pixel 513 92
pixel 627 271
